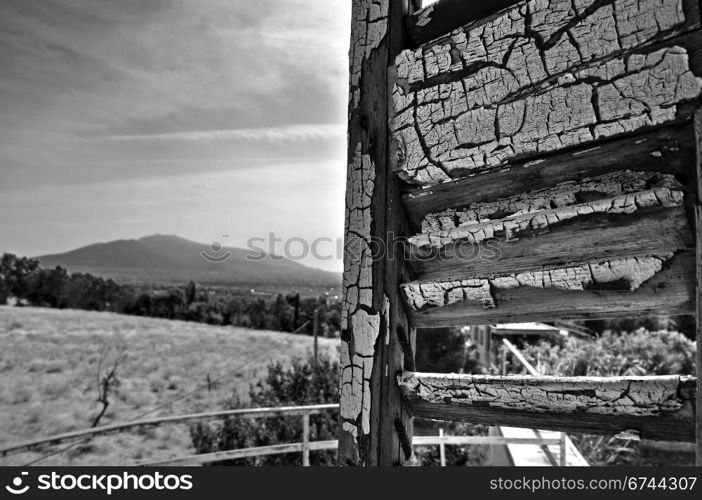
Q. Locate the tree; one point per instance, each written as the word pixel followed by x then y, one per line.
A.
pixel 47 287
pixel 107 382
pixel 258 314
pixel 190 292
pixel 14 271
pixel 282 315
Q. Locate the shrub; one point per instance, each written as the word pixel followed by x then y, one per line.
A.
pixel 304 383
pixel 300 384
pixel 628 354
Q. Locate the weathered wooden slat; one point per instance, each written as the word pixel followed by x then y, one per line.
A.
pixel 466 105
pixel 623 192
pixel 440 18
pixel 670 291
pixel 652 407
pixel 589 238
pixel 666 150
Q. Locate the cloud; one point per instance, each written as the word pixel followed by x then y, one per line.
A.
pixel 274 135
pixel 99 96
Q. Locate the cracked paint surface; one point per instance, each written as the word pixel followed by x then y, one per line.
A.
pixel 628 274
pixel 360 323
pixel 544 75
pixel 632 396
pixel 370 25
pixel 536 211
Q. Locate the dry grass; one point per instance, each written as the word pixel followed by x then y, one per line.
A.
pixel 48 367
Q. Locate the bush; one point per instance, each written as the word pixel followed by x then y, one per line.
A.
pixel 628 354
pixel 300 384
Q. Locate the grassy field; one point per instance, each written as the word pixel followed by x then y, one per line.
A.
pixel 49 362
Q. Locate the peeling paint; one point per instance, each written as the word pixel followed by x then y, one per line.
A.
pixel 542 76
pixel 631 396
pixel 360 323
pixel 619 193
pixel 370 25
pixel 629 274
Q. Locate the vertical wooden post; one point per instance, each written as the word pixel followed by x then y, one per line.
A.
pixel 315 330
pixel 563 458
pixel 375 427
pixel 306 440
pixel 698 315
pixel 442 449
pixel 698 332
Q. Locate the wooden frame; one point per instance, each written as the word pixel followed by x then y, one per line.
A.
pixel 595 214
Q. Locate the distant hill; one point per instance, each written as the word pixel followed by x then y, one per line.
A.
pixel 172 259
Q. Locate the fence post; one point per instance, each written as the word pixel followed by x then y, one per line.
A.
pixel 563 450
pixel 306 440
pixel 315 330
pixel 698 304
pixel 376 335
pixel 442 449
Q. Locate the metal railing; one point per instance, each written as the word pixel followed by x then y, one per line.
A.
pixel 563 436
pixel 442 441
pixel 304 447
pixel 305 411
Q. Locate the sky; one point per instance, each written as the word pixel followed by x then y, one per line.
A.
pixel 216 120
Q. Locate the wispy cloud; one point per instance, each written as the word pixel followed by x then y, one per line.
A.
pixel 275 135
pixel 105 104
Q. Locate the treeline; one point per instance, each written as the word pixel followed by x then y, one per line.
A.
pixel 24 280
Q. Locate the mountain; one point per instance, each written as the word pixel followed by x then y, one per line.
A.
pixel 172 259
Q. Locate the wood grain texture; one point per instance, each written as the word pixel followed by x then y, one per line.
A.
pixel 538 78
pixel 671 291
pixel 627 274
pixel 652 407
pixel 370 404
pixel 577 241
pixel 623 192
pixel 666 150
pixel 698 297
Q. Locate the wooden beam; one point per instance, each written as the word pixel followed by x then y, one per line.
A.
pixel 652 407
pixel 439 19
pixel 590 238
pixel 444 16
pixel 668 291
pixel 698 301
pixel 667 150
pixel 375 427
